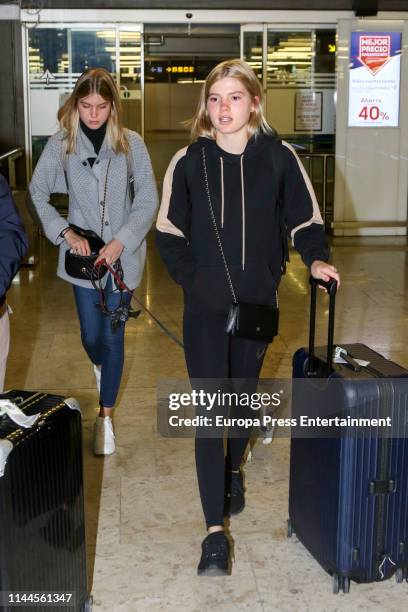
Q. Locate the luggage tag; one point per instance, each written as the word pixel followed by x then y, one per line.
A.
pixel 341 356
pixel 16 415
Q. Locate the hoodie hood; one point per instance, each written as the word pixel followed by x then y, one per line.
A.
pixel 255 146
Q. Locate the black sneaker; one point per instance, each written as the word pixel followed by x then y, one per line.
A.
pixel 234 501
pixel 215 557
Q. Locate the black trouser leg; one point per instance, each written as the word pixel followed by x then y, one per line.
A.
pixel 212 355
pixel 246 359
pixel 206 350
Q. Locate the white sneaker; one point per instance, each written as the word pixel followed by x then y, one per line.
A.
pixel 104 438
pixel 97 372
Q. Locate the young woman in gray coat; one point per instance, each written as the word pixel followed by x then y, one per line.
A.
pixel 108 175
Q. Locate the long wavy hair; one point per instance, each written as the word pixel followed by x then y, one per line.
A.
pixel 201 124
pixel 94 81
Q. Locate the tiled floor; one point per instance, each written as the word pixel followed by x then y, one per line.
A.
pixel 143 513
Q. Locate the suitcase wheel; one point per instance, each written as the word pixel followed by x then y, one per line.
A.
pixel 341 583
pixel 88 605
pixel 399 574
pixel 289 529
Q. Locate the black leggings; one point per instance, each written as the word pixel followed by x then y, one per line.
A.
pixel 212 354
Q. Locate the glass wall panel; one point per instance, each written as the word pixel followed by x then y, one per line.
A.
pixel 50 80
pixel 289 57
pixel 289 68
pixel 325 52
pixel 300 101
pixel 252 46
pixel 48 50
pixel 130 77
pixel 58 56
pixel 176 63
pixel 93 49
pixel 301 84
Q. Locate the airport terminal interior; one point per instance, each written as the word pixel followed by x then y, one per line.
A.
pixel 143 514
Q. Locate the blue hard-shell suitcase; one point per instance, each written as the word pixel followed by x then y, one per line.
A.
pixel 42 522
pixel 348 492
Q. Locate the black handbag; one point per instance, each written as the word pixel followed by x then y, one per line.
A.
pixel 253 321
pixel 83 266
pixel 245 320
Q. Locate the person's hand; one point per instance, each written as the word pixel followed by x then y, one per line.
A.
pixel 77 244
pixel 324 271
pixel 111 251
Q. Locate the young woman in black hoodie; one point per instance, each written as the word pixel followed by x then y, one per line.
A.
pixel 254 181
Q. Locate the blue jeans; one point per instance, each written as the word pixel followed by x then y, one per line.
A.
pixel 104 347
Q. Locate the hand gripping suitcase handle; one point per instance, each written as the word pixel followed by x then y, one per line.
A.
pixel 331 287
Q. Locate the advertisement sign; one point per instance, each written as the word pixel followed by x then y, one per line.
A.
pixel 374 81
pixel 308 111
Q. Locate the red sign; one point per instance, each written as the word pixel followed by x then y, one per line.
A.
pixel 375 52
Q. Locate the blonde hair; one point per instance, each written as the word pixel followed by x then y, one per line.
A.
pixel 94 81
pixel 201 124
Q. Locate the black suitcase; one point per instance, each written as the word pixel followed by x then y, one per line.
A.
pixel 42 524
pixel 348 492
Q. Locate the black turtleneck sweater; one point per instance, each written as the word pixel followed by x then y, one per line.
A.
pixel 96 136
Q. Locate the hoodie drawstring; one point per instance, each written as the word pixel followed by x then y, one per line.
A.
pixel 242 203
pixel 222 192
pixel 243 211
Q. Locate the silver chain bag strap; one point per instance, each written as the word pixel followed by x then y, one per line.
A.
pixel 245 320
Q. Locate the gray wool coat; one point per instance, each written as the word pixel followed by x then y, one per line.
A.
pixel 126 220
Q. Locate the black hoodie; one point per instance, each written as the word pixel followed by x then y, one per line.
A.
pixel 250 194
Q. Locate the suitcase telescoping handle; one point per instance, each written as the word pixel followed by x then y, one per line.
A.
pixel 331 287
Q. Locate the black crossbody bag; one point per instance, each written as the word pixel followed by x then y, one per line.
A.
pixel 83 266
pixel 245 320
